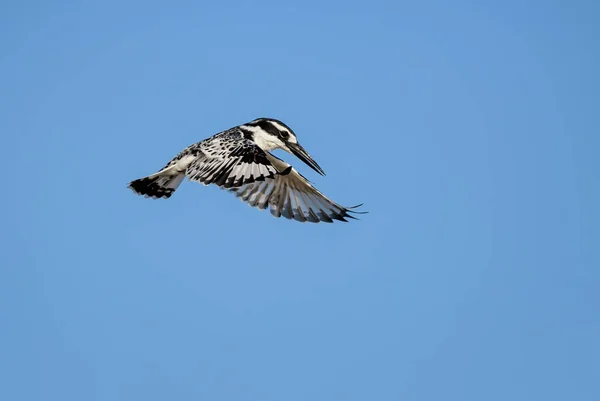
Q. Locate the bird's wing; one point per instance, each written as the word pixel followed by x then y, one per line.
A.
pixel 230 163
pixel 290 195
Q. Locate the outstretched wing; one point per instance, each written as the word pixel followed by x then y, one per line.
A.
pixel 230 162
pixel 290 195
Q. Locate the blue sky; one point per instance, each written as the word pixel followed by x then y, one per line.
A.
pixel 469 130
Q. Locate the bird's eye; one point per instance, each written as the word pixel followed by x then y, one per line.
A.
pixel 285 134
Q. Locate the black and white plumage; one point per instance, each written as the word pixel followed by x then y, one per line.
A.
pixel 239 161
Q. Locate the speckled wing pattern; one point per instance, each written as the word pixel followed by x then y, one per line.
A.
pixel 290 195
pixel 229 160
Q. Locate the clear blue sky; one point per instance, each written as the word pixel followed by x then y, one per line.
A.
pixel 470 130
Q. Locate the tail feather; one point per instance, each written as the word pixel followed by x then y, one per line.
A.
pixel 156 186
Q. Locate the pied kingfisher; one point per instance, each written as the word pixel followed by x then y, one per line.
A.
pixel 239 160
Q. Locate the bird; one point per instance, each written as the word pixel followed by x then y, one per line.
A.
pixel 239 160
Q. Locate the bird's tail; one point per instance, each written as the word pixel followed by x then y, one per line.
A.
pixel 159 185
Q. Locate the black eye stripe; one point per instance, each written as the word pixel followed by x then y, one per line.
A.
pixel 271 129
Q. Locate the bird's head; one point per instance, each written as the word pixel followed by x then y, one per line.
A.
pixel 269 134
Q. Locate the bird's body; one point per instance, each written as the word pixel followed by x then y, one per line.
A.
pixel 239 160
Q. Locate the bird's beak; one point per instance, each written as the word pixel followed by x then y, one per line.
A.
pixel 303 155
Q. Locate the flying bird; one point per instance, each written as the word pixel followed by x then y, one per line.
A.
pixel 239 160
